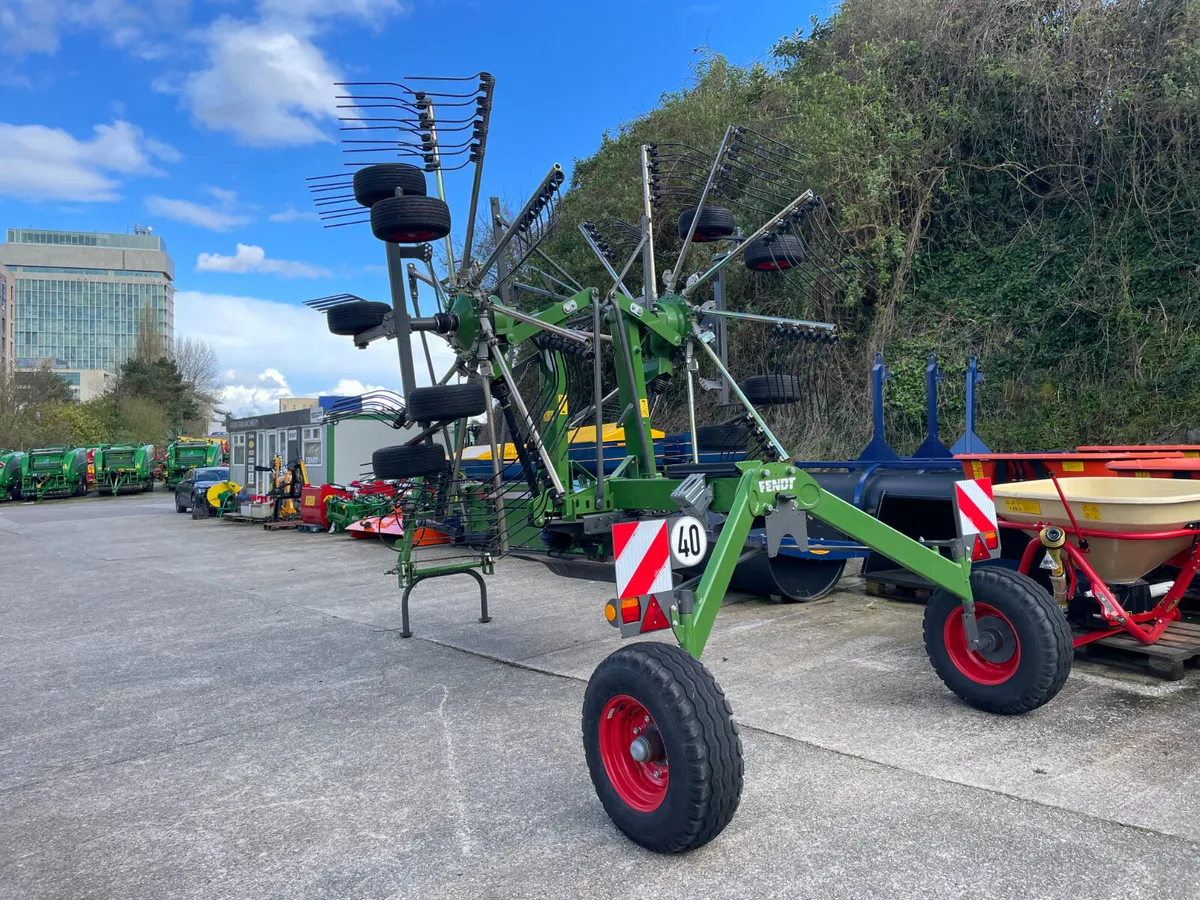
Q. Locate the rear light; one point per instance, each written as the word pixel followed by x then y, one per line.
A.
pixel 655 620
pixel 631 610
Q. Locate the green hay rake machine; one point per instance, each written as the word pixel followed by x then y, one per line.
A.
pixel 190 453
pixel 54 472
pixel 127 467
pixel 659 737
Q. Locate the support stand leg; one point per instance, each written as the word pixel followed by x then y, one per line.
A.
pixel 406 632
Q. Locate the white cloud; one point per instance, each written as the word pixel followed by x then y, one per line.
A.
pixel 221 217
pixel 294 215
pixel 350 387
pixel 260 396
pixel 267 85
pixel 257 340
pixel 33 26
pixel 249 258
pixel 28 26
pixel 165 152
pixel 299 12
pixel 41 163
pixel 266 81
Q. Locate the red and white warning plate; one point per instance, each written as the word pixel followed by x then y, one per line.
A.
pixel 977 522
pixel 643 556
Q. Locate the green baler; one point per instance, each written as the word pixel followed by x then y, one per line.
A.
pixel 54 472
pixel 195 454
pixel 127 466
pixel 10 474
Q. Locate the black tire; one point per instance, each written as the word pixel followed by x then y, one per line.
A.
pixel 768 390
pixel 445 402
pixel 793 579
pixel 349 319
pixel 378 182
pixel 730 437
pixel 1038 661
pixel 410 220
pixel 148 486
pixel 179 507
pixel 698 739
pixel 715 224
pixel 423 460
pixel 774 254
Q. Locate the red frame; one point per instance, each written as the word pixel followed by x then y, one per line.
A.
pixel 1164 612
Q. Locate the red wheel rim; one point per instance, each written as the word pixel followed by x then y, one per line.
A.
pixel 973 664
pixel 642 785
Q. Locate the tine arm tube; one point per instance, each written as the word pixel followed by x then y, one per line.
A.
pixel 784 456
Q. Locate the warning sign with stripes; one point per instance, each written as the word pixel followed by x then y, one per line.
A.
pixel 976 506
pixel 977 523
pixel 643 557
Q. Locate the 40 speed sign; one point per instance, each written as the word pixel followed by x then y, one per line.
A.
pixel 689 541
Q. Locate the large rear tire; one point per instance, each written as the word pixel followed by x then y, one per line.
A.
pixel 662 747
pixel 774 254
pixel 773 389
pixel 730 437
pixel 1029 653
pixel 421 461
pixel 410 220
pixel 349 319
pixel 380 181
pixel 715 224
pixel 445 402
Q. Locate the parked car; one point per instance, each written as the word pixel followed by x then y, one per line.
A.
pixel 192 490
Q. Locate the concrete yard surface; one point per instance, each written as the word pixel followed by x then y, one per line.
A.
pixel 207 710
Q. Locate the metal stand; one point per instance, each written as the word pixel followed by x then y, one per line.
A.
pixel 405 632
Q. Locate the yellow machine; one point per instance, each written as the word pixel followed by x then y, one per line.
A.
pixel 286 484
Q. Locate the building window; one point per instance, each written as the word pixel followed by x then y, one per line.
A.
pixel 313 449
pixel 239 449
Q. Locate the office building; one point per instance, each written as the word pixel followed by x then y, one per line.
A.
pixel 292 404
pixel 8 340
pixel 79 295
pixel 85 384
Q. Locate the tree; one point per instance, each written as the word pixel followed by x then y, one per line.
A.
pixel 160 383
pixel 41 386
pixel 197 364
pixel 148 345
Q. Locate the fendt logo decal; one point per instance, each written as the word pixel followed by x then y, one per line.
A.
pixel 774 485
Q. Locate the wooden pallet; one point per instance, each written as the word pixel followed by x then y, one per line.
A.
pixel 893 591
pixel 1178 649
pixel 238 519
pixel 281 526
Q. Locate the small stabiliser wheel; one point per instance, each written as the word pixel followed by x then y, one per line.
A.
pixel 662 747
pixel 410 220
pixel 349 319
pixel 774 253
pixel 767 390
pixel 1026 652
pixel 444 402
pixel 378 182
pixel 404 461
pixel 715 224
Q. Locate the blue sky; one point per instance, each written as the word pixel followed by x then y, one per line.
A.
pixel 202 119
